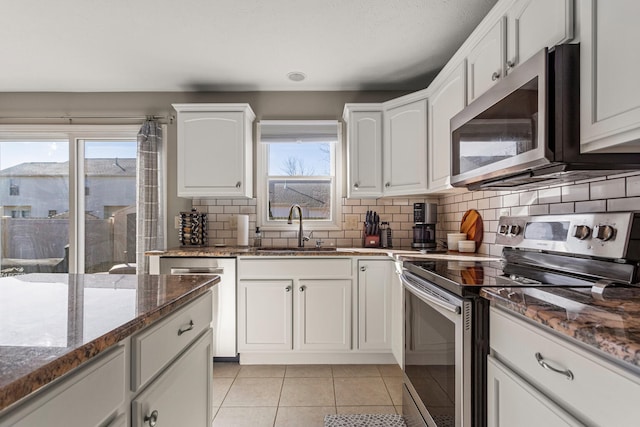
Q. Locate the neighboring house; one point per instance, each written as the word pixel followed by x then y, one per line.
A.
pixel 313 196
pixel 40 189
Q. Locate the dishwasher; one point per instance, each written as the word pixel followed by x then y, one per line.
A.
pixel 224 300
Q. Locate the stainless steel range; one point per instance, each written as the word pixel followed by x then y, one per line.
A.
pixel 446 322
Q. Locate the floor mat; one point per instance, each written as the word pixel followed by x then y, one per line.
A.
pixel 364 420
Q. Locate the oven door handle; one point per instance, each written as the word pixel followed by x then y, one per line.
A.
pixel 430 298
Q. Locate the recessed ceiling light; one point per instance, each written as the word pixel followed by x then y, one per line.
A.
pixel 296 76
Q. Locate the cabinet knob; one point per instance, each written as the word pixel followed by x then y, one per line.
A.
pixel 238 184
pixel 495 76
pixel 356 185
pixel 301 288
pixel 363 268
pixel 387 184
pixel 288 289
pixel 152 419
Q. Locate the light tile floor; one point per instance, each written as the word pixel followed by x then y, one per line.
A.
pixel 301 395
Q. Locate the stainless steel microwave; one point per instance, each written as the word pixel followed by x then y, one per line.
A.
pixel 524 132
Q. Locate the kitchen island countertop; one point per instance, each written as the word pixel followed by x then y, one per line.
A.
pixel 53 323
pixel 608 326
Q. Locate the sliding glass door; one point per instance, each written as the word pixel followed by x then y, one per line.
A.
pixel 68 201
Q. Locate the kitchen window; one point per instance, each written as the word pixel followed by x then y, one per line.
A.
pixel 71 226
pixel 297 165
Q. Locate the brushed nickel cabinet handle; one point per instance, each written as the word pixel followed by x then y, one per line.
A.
pixel 288 289
pixel 182 331
pixel 238 184
pixel 567 373
pixel 363 268
pixel 495 76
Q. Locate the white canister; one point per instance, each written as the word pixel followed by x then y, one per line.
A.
pixel 453 239
pixel 243 230
pixel 467 246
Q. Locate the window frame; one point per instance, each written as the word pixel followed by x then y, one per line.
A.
pixel 262 182
pixel 76 135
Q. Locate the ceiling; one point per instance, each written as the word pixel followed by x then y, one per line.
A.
pixel 229 45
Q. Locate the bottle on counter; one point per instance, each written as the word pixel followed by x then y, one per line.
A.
pixel 388 232
pixel 384 243
pixel 257 239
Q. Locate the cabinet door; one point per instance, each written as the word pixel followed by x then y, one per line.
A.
pixel 513 402
pixel 397 314
pixel 446 102
pixel 609 70
pixel 215 157
pixel 265 314
pixel 323 315
pixel 181 395
pixel 96 390
pixel 405 149
pixel 535 24
pixel 365 154
pixel 485 61
pixel 374 304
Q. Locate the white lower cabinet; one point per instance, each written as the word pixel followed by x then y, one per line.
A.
pixel 514 402
pixel 265 315
pixel 181 395
pixel 374 304
pixel 537 378
pixel 316 312
pixel 96 404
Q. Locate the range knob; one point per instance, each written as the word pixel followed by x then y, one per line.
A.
pixel 503 229
pixel 604 232
pixel 582 232
pixel 514 230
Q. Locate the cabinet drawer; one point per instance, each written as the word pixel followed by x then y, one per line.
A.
pixel 156 346
pixel 599 391
pixel 287 268
pixel 96 392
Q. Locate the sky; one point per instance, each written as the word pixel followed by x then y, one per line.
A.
pixel 14 153
pixel 312 156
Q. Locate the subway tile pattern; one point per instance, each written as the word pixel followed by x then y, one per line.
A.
pixel 614 193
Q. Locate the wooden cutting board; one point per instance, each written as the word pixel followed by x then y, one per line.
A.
pixel 472 225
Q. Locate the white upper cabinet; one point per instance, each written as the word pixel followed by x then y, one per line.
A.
pixel 609 70
pixel 364 150
pixel 447 100
pixel 526 27
pixel 215 150
pixel 405 148
pixel 535 24
pixel 485 61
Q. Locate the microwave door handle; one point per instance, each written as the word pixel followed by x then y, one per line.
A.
pixel 433 300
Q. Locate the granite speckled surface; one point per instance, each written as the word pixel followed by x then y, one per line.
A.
pixel 53 323
pixel 610 326
pixel 235 251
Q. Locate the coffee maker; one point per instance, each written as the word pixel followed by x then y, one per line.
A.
pixel 424 225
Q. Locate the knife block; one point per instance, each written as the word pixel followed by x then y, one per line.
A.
pixel 370 240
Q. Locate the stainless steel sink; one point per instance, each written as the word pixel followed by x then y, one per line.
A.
pixel 294 249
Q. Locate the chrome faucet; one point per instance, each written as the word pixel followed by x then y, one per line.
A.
pixel 289 221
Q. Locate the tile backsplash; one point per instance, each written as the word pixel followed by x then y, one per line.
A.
pixel 615 193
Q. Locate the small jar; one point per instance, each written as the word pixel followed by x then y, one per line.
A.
pixel 257 239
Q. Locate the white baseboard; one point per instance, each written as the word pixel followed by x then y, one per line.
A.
pixel 298 358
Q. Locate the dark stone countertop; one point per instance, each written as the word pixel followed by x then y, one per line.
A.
pixel 53 323
pixel 608 326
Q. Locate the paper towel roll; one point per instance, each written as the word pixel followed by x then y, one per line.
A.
pixel 243 230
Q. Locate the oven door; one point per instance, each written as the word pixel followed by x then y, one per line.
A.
pixel 437 356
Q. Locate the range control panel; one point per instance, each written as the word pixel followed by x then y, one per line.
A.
pixel 607 235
